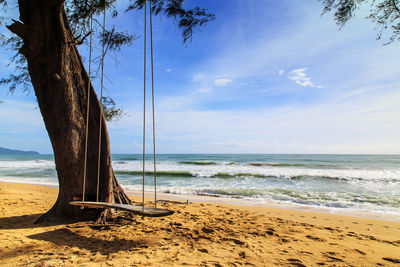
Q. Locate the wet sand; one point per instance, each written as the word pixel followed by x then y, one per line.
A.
pixel 197 234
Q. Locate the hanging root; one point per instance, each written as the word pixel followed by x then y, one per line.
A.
pixel 120 196
pixel 105 215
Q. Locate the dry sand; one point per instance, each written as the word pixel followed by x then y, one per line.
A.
pixel 198 234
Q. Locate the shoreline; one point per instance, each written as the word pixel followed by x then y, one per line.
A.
pixel 246 203
pixel 197 234
pixel 271 204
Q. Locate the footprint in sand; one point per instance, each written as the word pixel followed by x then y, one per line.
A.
pixel 315 238
pixel 270 231
pixel 360 251
pixel 331 255
pixel 242 254
pixel 207 230
pixel 393 260
pixel 296 262
pixel 203 250
pixel 236 241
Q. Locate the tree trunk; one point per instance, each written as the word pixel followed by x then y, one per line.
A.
pixel 60 82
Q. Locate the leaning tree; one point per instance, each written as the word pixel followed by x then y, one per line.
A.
pixel 45 40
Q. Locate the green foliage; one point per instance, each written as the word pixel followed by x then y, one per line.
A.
pixel 188 19
pixel 20 77
pixel 385 13
pixel 110 110
pixel 116 40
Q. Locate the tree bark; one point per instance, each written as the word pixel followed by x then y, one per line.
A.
pixel 60 82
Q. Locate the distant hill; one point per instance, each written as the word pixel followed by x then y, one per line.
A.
pixel 6 151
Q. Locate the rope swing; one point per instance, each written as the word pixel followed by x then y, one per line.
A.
pixel 141 210
pixel 88 101
pixel 152 100
pixel 101 101
pixel 153 106
pixel 144 100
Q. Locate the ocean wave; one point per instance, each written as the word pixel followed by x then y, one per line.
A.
pixel 159 173
pixel 31 173
pixel 128 158
pixel 382 204
pixel 327 181
pixel 224 170
pixel 182 174
pixel 30 180
pixel 23 164
pixel 334 199
pixel 202 163
pixel 227 175
pixel 317 166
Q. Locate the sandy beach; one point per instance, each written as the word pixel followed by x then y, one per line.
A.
pixel 198 234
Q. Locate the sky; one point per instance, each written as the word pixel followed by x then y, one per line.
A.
pixel 265 76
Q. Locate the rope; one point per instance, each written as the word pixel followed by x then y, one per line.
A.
pixel 152 94
pixel 88 101
pixel 144 100
pixel 101 102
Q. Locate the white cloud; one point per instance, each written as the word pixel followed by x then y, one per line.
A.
pixel 205 90
pixel 175 102
pixel 228 143
pixel 222 82
pixel 281 72
pixel 300 77
pixel 251 84
pixel 356 124
pixel 197 77
pixel 168 70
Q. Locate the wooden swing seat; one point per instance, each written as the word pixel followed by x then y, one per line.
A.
pixel 139 210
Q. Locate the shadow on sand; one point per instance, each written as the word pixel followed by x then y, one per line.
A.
pixel 25 221
pixel 65 237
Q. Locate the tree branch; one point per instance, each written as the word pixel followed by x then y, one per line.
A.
pixel 79 41
pixel 18 28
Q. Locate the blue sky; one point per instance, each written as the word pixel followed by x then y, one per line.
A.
pixel 265 77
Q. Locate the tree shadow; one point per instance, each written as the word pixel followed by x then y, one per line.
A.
pixel 23 222
pixel 65 237
pixel 30 221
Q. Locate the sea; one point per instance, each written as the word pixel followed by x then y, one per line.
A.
pixel 364 183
